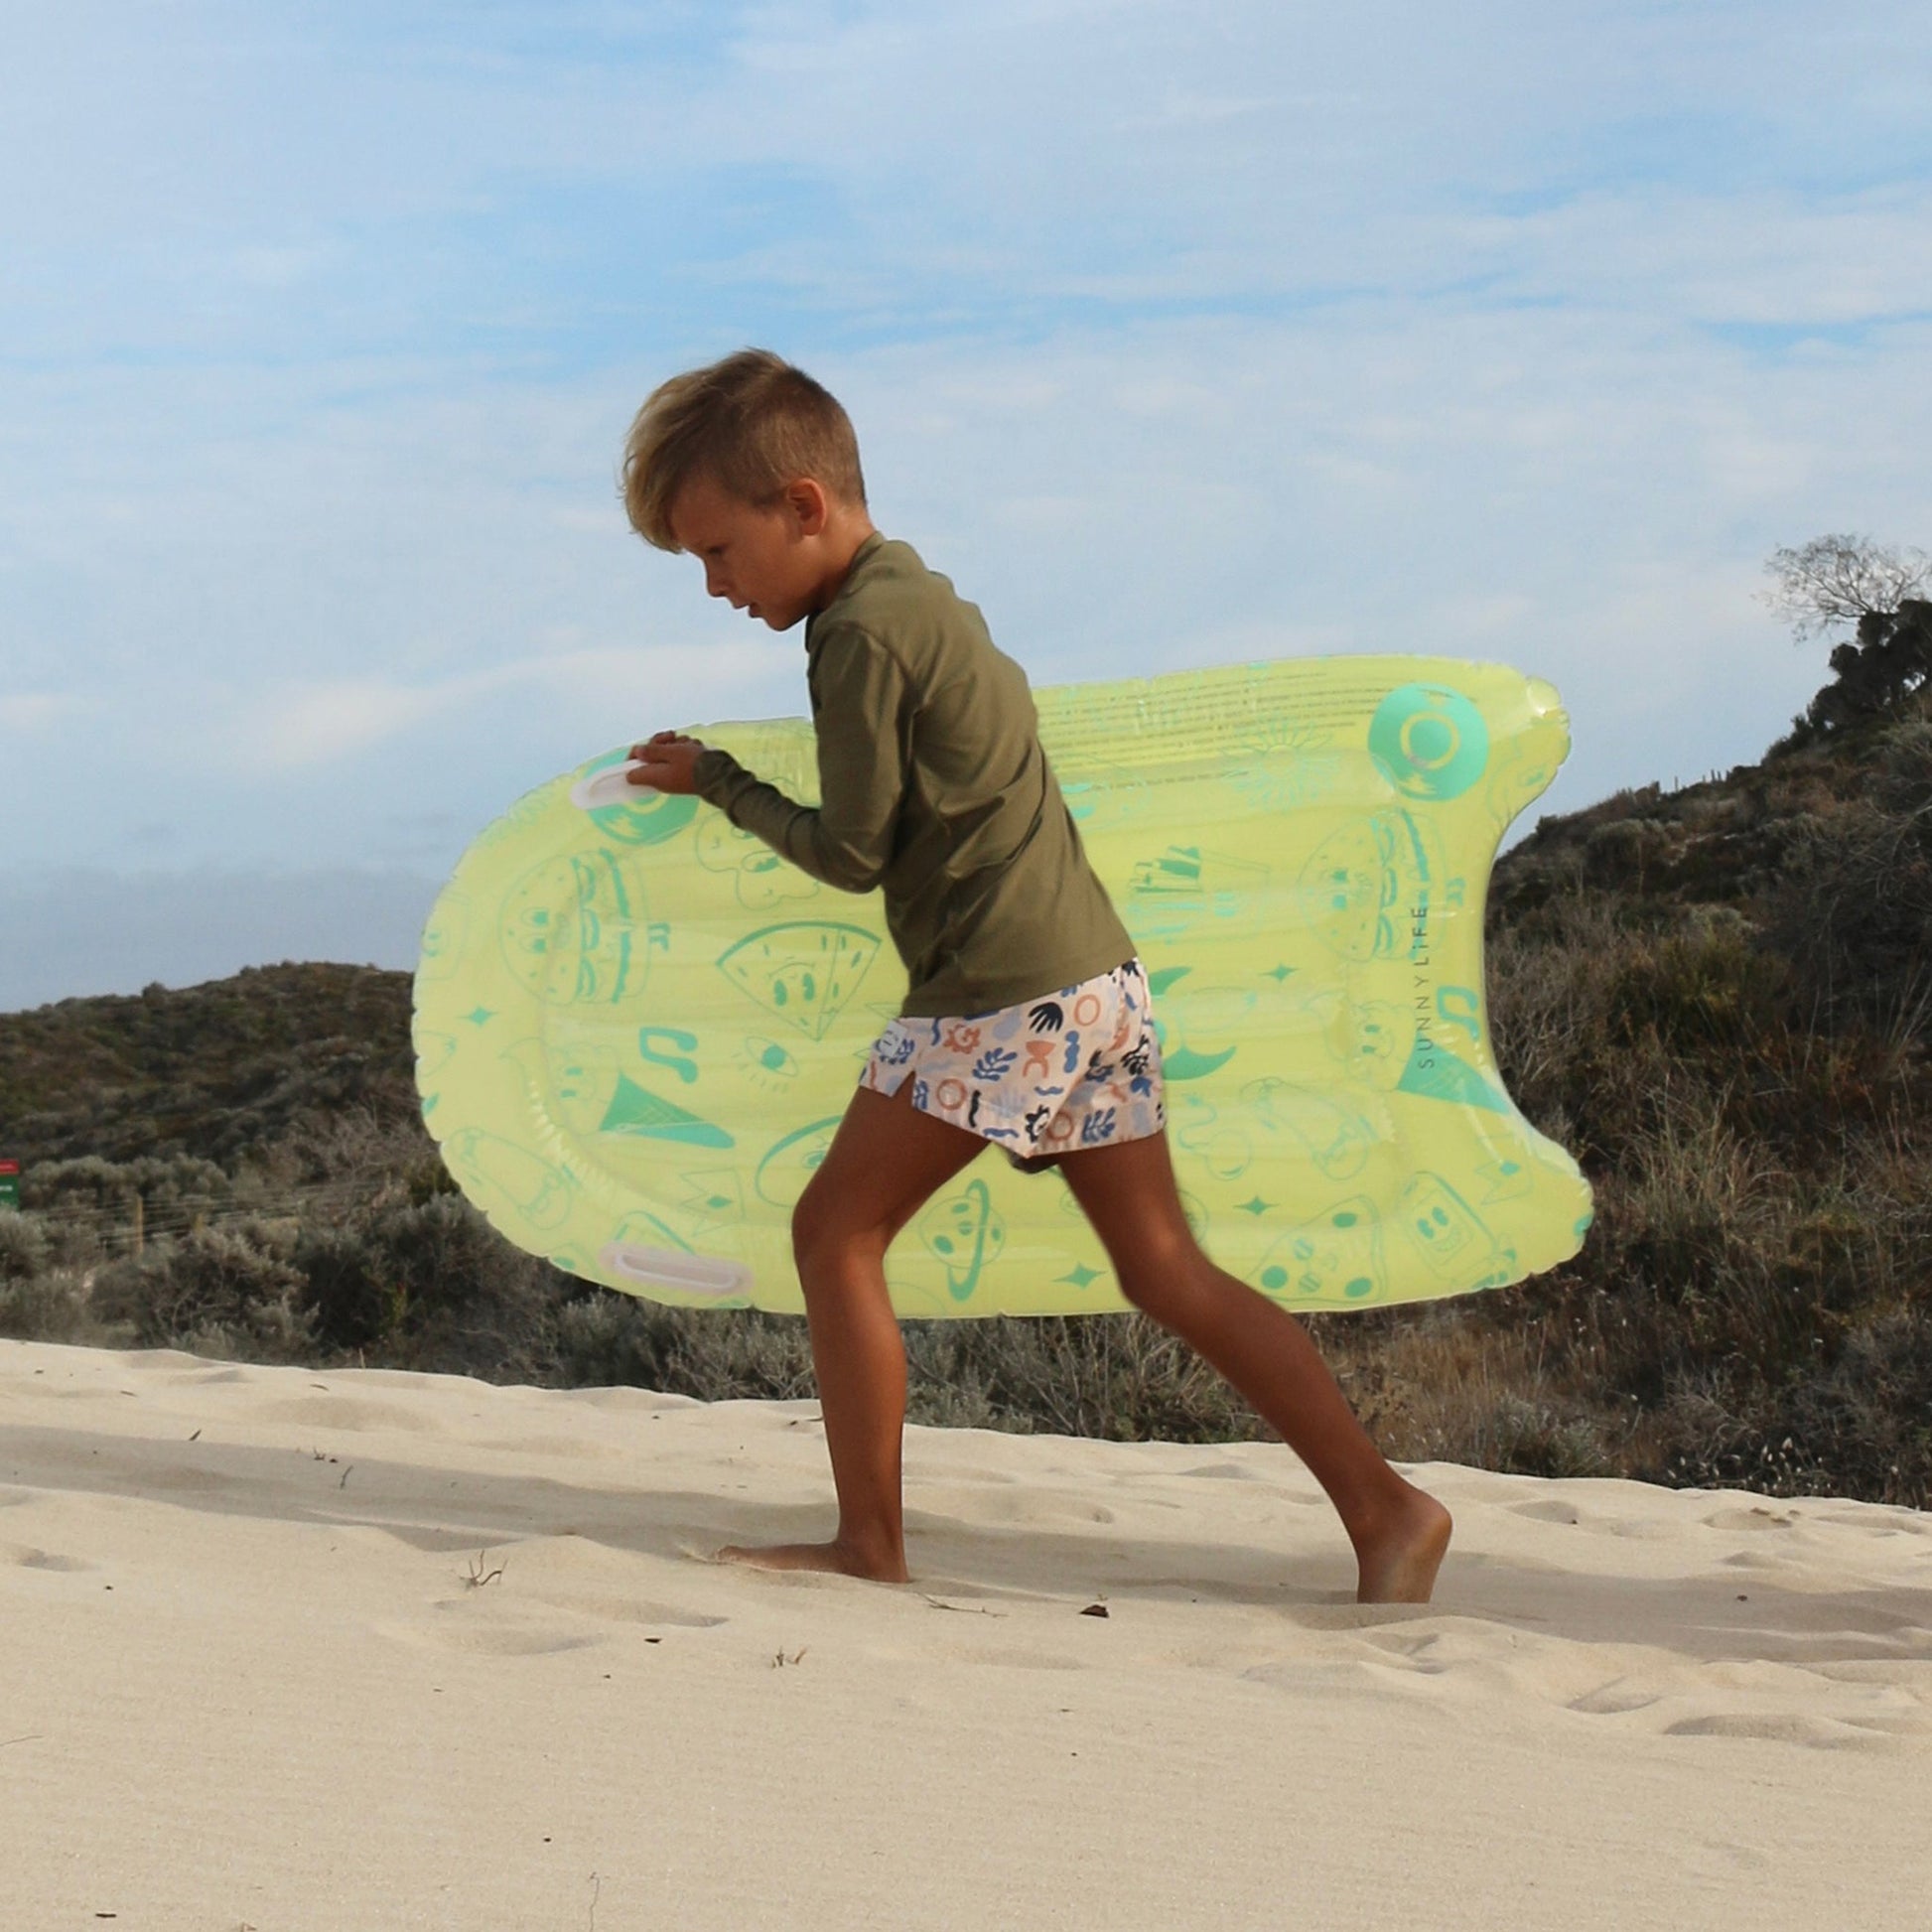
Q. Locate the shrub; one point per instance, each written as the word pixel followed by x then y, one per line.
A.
pixel 1853 910
pixel 215 1290
pixel 715 1355
pixel 23 1246
pixel 1869 1419
pixel 344 1288
pixel 1116 1376
pixel 442 1255
pixel 53 1306
pixel 1531 1439
pixel 110 1186
pixel 429 1284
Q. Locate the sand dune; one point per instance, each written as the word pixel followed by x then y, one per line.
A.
pixel 288 1649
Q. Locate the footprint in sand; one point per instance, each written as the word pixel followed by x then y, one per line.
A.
pixel 1018 1657
pixel 350 1412
pixel 575 1448
pixel 464 1625
pixel 1410 1648
pixel 1780 1703
pixel 1550 1511
pixel 1784 1728
pixel 1559 1510
pixel 500 1635
pixel 30 1558
pixel 627 1609
pixel 1008 1508
pixel 1876 1520
pixel 1617 1698
pixel 1754 1518
pixel 1648 1687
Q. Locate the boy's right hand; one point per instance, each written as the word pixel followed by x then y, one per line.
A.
pixel 666 762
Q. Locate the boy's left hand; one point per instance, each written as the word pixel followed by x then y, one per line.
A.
pixel 667 762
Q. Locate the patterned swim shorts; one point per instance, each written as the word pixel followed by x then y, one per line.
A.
pixel 1078 1068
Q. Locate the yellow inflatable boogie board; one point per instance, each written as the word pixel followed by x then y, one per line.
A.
pixel 636 1027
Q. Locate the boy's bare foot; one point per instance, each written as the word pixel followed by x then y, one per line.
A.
pixel 1399 1562
pixel 835 1557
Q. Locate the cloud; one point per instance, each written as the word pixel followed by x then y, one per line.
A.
pixel 302 727
pixel 1765 257
pixel 318 724
pixel 34 711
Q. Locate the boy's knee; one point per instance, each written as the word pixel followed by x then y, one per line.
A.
pixel 1163 1281
pixel 820 1228
pixel 1162 1301
pixel 809 1225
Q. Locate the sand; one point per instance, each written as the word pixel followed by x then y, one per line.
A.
pixel 282 1648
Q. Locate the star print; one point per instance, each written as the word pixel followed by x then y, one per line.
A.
pixel 1279 973
pixel 1081 1276
pixel 480 1017
pixel 1256 1206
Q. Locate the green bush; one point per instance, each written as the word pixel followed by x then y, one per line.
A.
pixel 430 1284
pixel 602 1337
pixel 54 1306
pixel 1531 1439
pixel 112 1187
pixel 216 1291
pixel 345 1288
pixel 24 1246
pixel 1867 1420
pixel 1117 1376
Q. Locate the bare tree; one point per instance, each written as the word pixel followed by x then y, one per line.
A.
pixel 1837 580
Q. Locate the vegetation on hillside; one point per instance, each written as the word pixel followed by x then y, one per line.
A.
pixel 220 1072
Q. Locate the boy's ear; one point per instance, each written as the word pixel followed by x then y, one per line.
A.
pixel 805 497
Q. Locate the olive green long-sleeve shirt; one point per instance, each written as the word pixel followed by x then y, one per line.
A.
pixel 933 785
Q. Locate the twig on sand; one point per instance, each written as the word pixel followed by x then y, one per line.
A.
pixel 478 1576
pixel 966 1609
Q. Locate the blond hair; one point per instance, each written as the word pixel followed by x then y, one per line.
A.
pixel 751 422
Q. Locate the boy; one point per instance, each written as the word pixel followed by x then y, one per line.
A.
pixel 935 789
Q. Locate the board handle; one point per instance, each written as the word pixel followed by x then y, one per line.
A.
pixel 671 1268
pixel 610 786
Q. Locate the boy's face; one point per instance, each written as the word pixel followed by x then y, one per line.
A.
pixel 765 559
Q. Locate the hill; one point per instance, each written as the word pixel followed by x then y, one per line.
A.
pixel 216 1071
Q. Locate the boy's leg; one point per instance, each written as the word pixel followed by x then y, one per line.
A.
pixel 885 1160
pixel 1127 1191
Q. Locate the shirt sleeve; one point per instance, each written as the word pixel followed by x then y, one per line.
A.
pixel 862 717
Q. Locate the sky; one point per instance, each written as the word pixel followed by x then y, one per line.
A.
pixel 1176 334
